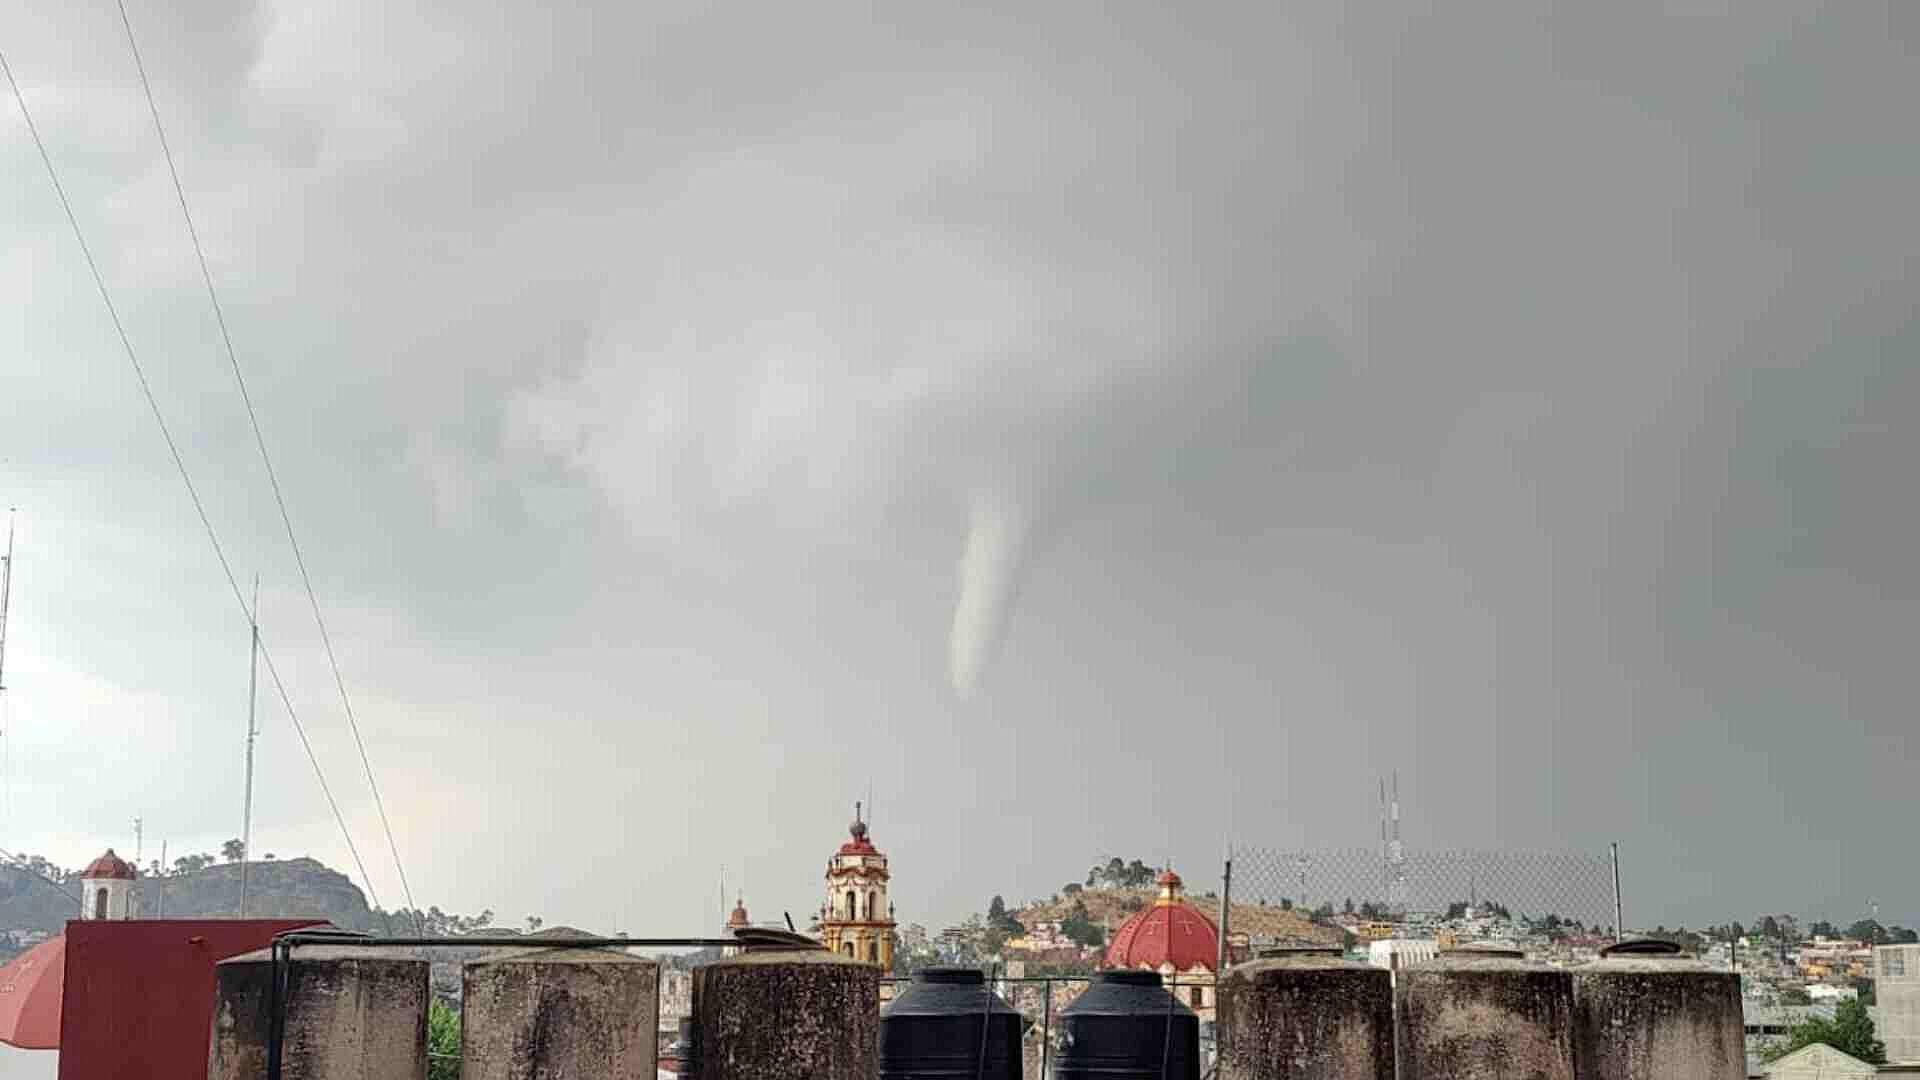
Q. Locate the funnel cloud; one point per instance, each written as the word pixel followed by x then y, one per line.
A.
pixel 990 564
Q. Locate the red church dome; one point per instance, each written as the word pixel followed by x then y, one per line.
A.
pixel 738 918
pixel 859 844
pixel 109 866
pixel 1171 932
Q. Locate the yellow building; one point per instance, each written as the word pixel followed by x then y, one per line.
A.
pixel 857 919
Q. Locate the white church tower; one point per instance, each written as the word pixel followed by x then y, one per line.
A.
pixel 106 888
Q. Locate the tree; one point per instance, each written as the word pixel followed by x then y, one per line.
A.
pixel 1139 875
pixel 443 1042
pixel 534 923
pixel 1900 935
pixel 1769 927
pixel 1822 928
pixel 1869 931
pixel 192 864
pixel 1850 1032
pixel 999 918
pixel 1080 928
pixel 1348 909
pixel 1286 903
pixel 1863 989
pixel 234 850
pixel 1073 888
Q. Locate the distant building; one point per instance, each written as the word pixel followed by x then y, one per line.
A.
pixel 857 919
pixel 106 888
pixel 737 921
pixel 676 996
pixel 1401 952
pixel 1818 1062
pixel 1175 939
pixel 1768 1026
pixel 1896 989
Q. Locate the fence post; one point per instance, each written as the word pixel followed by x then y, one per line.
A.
pixel 1046 1026
pixel 1226 912
pixel 1619 923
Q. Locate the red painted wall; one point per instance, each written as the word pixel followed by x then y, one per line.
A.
pixel 139 994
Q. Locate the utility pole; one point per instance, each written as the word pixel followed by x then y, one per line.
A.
pixel 139 837
pixel 253 732
pixel 6 596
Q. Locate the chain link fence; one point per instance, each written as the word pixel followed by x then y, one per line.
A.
pixel 1281 896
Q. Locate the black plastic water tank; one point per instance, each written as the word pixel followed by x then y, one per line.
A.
pixel 1128 1027
pixel 681 1050
pixel 934 1029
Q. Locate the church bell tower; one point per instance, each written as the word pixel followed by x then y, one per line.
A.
pixel 857 919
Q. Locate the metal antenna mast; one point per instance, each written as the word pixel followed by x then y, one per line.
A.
pixel 253 732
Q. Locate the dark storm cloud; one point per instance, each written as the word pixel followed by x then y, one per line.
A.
pixel 1515 389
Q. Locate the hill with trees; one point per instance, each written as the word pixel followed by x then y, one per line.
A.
pixel 36 894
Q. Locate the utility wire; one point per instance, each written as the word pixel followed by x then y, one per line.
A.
pixel 273 478
pixel 173 449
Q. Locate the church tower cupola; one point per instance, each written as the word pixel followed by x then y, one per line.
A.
pixel 106 888
pixel 857 919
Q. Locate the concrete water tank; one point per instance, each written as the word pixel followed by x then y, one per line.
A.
pixel 1477 1013
pixel 1306 1014
pixel 1647 1011
pixel 786 1015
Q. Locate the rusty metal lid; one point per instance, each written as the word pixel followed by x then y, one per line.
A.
pixel 1278 960
pixel 1480 957
pixel 1643 955
pixel 766 939
pixel 1282 952
pixel 1648 947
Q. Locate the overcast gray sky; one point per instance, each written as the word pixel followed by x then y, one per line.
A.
pixel 1100 428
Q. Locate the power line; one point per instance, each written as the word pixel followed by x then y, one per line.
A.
pixel 173 449
pixel 273 478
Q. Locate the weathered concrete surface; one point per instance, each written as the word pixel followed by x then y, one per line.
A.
pixel 354 1013
pixel 787 1016
pixel 1306 1017
pixel 540 1013
pixel 1657 1019
pixel 1484 1017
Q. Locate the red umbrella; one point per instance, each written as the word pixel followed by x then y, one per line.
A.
pixel 30 991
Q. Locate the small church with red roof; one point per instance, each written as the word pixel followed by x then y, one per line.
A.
pixel 1175 939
